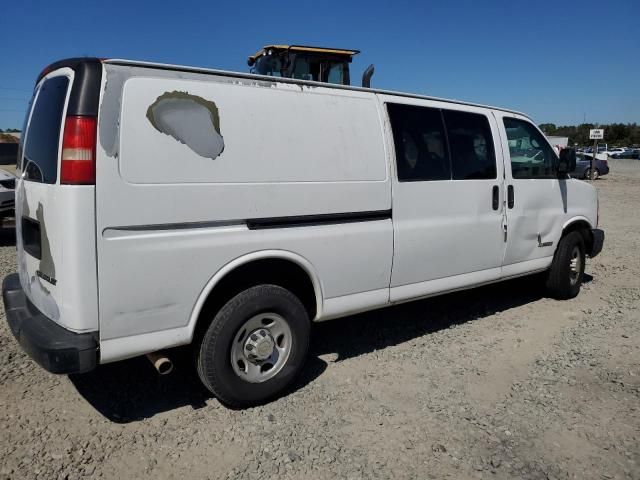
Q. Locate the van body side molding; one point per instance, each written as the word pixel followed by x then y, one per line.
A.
pixel 323 219
pixel 262 223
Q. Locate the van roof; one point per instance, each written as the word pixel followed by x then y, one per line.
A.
pixel 226 73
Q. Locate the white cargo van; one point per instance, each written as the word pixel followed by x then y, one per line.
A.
pixel 160 206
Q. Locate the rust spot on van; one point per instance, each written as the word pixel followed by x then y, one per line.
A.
pixel 191 120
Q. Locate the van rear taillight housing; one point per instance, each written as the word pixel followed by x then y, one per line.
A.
pixel 78 165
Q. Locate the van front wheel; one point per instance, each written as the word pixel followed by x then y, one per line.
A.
pixel 567 269
pixel 255 346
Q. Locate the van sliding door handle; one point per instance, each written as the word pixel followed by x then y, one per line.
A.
pixel 510 196
pixel 495 201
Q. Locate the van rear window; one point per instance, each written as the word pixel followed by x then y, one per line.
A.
pixel 40 160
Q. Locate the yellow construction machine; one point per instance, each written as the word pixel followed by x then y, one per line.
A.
pixel 328 65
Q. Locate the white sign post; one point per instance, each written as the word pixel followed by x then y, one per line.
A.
pixel 595 134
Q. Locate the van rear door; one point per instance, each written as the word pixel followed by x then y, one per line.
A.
pixel 55 220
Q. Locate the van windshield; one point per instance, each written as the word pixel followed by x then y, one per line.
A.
pixel 40 155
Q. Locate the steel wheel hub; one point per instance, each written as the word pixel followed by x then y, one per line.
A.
pixel 261 347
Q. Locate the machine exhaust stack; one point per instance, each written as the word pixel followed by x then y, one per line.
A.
pixel 366 76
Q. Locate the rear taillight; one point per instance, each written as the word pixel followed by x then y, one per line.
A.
pixel 78 165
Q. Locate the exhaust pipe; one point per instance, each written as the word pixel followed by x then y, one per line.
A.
pixel 160 362
pixel 366 76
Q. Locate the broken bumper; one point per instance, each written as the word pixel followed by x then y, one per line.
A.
pixel 53 347
pixel 598 242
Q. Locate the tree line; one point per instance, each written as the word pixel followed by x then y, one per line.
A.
pixel 618 134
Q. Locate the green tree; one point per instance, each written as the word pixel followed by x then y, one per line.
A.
pixel 548 128
pixel 619 134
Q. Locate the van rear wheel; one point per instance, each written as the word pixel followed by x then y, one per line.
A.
pixel 567 269
pixel 255 346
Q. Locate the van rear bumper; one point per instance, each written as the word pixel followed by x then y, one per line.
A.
pixel 53 347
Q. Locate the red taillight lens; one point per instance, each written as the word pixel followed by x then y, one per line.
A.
pixel 78 165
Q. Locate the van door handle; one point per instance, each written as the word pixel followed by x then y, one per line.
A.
pixel 495 201
pixel 510 201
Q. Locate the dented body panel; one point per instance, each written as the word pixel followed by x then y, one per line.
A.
pixel 542 209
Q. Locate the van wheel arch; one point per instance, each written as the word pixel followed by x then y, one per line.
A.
pixel 273 269
pixel 584 229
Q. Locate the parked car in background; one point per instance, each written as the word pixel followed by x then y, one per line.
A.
pixel 583 167
pixel 634 154
pixel 614 151
pixel 7 194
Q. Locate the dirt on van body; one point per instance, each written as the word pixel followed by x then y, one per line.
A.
pixel 498 382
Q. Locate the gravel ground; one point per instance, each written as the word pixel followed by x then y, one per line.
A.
pixel 498 382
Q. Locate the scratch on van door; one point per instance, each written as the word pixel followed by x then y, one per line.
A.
pixel 32 284
pixel 152 314
pixel 45 301
pixel 21 199
pixel 110 111
pixel 46 259
pixel 189 119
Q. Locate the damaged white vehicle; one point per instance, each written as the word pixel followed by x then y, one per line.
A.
pixel 160 206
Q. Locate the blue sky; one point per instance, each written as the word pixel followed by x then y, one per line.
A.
pixel 559 62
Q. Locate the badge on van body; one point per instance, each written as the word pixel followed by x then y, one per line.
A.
pixel 46 277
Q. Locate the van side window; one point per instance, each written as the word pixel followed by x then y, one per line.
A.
pixel 420 143
pixel 531 154
pixel 471 143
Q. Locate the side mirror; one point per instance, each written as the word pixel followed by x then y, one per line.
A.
pixel 567 162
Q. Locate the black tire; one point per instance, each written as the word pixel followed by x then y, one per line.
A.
pixel 213 354
pixel 563 280
pixel 587 174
